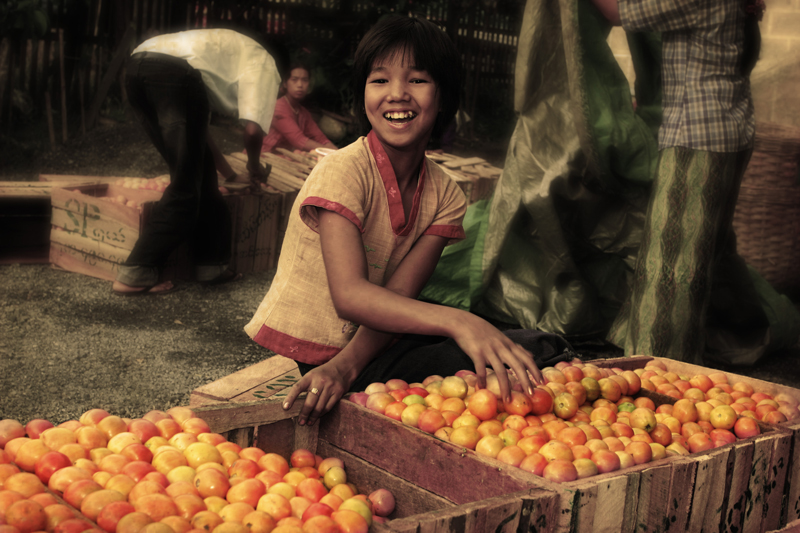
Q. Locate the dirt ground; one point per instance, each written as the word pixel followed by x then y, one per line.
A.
pixel 68 344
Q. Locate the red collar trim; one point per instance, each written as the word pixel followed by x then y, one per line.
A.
pixel 393 196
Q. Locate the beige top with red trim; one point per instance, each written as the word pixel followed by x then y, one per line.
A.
pixel 297 318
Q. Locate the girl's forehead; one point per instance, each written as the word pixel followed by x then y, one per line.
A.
pixel 402 57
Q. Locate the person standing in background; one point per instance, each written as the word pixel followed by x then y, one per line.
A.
pixel 174 81
pixel 705 143
pixel 293 127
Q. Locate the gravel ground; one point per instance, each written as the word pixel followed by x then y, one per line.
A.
pixel 68 344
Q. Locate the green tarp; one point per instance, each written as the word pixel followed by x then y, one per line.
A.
pixel 555 246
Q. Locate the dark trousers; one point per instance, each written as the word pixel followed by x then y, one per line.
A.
pixel 169 98
pixel 414 357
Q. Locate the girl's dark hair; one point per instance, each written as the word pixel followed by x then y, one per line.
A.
pixel 424 43
pixel 752 35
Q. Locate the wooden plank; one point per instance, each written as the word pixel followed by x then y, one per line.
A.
pixel 792 508
pixel 752 519
pixel 585 509
pixel 121 54
pixel 776 481
pixel 681 493
pixel 653 502
pixel 428 462
pixel 246 379
pixel 617 498
pixel 72 260
pixel 298 157
pixel 458 163
pixel 34 189
pixel 791 527
pixel 225 417
pixel 99 249
pixel 94 227
pixel 273 390
pixel 410 499
pixel 278 437
pixel 540 510
pixel 87 208
pixel 739 464
pixel 709 491
pixel 73 179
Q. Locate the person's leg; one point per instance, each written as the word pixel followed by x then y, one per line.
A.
pixel 172 103
pixel 212 235
pixel 688 217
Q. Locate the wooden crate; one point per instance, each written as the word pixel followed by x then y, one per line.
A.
pixel 93 236
pixel 738 487
pixel 792 527
pixel 728 485
pixel 25 220
pixel 769 496
pixel 485 499
pixel 270 378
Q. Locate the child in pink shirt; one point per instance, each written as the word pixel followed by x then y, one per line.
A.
pixel 293 127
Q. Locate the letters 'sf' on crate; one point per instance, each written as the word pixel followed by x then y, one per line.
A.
pixel 93 235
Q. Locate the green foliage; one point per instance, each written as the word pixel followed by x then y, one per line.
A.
pixel 22 19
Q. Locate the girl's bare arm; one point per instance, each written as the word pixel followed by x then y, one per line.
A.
pixel 394 309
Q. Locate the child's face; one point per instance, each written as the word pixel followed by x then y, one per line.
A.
pixel 401 102
pixel 297 84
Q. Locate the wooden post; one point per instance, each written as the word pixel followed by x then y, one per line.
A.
pixel 113 69
pixel 80 91
pixel 50 128
pixel 63 86
pixel 7 93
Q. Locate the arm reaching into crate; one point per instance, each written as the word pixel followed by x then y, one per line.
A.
pixel 394 309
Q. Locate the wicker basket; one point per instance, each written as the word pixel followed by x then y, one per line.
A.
pixel 767 217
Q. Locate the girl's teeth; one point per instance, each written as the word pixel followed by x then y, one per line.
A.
pixel 398 115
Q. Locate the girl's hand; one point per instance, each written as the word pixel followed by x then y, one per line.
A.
pixel 325 385
pixel 485 344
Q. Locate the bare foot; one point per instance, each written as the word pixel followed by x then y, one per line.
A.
pixel 121 288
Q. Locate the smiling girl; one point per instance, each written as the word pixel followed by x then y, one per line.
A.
pixel 365 234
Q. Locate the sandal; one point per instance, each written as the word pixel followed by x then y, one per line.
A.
pixel 226 277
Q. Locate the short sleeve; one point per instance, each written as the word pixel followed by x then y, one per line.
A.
pixel 659 15
pixel 338 183
pixel 449 216
pixel 259 82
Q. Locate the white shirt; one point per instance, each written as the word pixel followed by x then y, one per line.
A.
pixel 240 76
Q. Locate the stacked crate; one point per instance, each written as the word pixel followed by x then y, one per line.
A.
pixel 740 487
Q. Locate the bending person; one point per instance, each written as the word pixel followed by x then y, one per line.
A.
pixel 174 81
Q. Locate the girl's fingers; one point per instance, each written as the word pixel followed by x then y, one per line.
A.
pixel 294 392
pixel 502 376
pixel 308 413
pixel 480 371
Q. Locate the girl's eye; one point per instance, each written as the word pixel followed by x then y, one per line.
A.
pixel 417 80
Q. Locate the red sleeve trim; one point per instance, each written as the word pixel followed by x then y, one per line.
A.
pixel 316 201
pixel 310 353
pixel 449 232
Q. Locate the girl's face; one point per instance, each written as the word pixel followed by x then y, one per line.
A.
pixel 297 84
pixel 401 101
